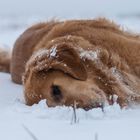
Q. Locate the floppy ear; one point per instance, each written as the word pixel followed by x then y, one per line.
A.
pixel 68 60
pixel 61 57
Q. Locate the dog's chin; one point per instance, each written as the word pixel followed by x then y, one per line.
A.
pixel 79 106
pixel 91 105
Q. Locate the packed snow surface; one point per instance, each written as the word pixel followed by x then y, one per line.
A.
pixel 18 121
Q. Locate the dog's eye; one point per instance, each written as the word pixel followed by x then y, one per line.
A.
pixel 56 93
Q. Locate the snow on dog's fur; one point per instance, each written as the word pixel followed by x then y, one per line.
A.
pixel 83 61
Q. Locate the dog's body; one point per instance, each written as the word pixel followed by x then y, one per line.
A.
pixel 83 61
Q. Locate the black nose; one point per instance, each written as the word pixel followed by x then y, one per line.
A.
pixel 56 93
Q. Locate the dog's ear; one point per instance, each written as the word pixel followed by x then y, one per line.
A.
pixel 60 57
pixel 68 60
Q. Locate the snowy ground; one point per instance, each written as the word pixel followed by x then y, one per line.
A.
pixel 18 121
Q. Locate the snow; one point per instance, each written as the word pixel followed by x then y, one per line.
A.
pixel 56 123
pixel 53 51
pixel 38 55
pixel 90 55
pixel 18 121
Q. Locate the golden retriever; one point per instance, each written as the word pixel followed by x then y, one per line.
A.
pixel 90 62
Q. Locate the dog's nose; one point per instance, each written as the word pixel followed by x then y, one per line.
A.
pixel 56 93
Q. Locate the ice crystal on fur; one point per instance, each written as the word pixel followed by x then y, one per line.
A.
pixel 68 37
pixel 115 97
pixel 91 55
pixel 130 91
pixel 53 51
pixel 116 73
pixel 38 54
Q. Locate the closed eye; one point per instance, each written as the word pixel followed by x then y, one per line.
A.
pixel 56 93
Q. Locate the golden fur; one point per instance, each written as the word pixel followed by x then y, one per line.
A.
pixel 82 61
pixel 5 57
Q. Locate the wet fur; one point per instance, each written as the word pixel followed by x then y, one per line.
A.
pixel 5 58
pixel 115 71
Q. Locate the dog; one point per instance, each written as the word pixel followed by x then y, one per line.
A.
pixel 86 63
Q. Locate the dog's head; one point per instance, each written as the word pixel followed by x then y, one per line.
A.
pixel 60 76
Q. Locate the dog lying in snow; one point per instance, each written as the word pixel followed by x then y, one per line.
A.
pixel 82 61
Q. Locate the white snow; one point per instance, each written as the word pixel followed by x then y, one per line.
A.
pixel 53 51
pixel 56 123
pixel 21 122
pixel 38 55
pixel 90 55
